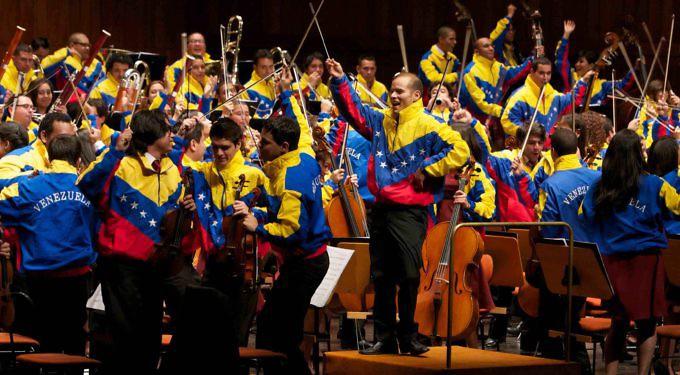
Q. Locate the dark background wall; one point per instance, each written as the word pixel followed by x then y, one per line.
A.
pixel 351 27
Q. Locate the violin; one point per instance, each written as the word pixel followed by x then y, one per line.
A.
pixel 467 246
pixel 606 58
pixel 528 295
pixel 345 213
pixel 6 301
pixel 176 223
pixel 240 249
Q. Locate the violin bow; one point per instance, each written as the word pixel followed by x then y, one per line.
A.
pixel 533 119
pixel 651 71
pixel 468 32
pixel 668 56
pixel 651 45
pixel 402 46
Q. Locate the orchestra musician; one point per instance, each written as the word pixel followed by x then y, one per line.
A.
pixel 433 62
pixel 116 66
pixel 264 92
pixel 72 58
pixel 20 72
pixel 366 69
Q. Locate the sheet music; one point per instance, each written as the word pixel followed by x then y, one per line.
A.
pixel 338 259
pixel 96 302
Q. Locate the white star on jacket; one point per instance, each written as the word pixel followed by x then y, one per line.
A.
pixel 152 222
pixel 123 198
pixel 201 197
pixel 134 205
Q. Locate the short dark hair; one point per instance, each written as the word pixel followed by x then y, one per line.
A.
pixel 444 31
pixel 540 61
pixel 226 128
pixel 13 133
pixel 283 129
pixel 100 105
pixel 87 151
pixel 66 148
pixel 310 59
pixel 663 156
pixel 589 55
pixel 365 57
pixel 147 127
pixel 537 130
pixel 118 58
pixel 74 111
pixel 23 47
pixel 262 54
pixel 47 123
pixel 40 42
pixel 195 133
pixel 564 141
pixel 654 88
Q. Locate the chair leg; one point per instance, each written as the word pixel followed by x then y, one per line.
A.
pixel 594 355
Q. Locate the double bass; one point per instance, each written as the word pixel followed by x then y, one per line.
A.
pixel 6 300
pixel 605 59
pixel 239 253
pixel 467 246
pixel 167 258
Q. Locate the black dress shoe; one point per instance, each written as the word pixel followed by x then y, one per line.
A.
pixel 490 343
pixel 516 329
pixel 413 347
pixel 380 347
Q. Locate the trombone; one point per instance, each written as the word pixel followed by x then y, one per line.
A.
pixel 230 36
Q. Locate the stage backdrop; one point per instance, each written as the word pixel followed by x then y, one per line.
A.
pixel 351 27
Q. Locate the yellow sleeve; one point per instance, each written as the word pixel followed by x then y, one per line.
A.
pixel 501 25
pixel 433 75
pixel 670 197
pixel 9 192
pixel 542 198
pixel 305 142
pixel 56 58
pixel 485 204
pixel 509 127
pixel 288 218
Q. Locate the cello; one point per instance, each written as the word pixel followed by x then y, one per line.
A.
pixel 6 301
pixel 167 258
pixel 239 253
pixel 467 246
pixel 346 213
pixel 606 58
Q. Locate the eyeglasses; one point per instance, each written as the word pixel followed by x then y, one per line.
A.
pixel 87 45
pixel 28 107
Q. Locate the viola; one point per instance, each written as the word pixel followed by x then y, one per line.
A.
pixel 467 246
pixel 240 249
pixel 536 30
pixel 167 258
pixel 6 301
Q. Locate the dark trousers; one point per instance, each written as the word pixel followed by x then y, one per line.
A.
pixel 280 325
pixel 133 293
pixel 58 312
pixel 397 235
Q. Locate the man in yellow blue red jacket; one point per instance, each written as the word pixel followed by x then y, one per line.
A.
pixel 195 48
pixel 485 80
pixel 503 39
pixel 585 62
pixel 134 192
pixel 433 62
pixel 72 58
pixel 295 225
pixel 520 107
pixel 54 263
pixel 198 89
pixel 408 149
pixel 19 73
pixel 366 69
pixel 264 92
pixel 107 89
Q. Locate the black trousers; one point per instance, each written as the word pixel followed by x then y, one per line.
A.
pixel 280 325
pixel 133 293
pixel 58 312
pixel 397 235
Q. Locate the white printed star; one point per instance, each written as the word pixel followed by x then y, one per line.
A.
pixel 214 223
pixel 377 134
pixel 422 151
pixel 379 154
pixel 412 157
pixel 152 222
pixel 143 214
pixel 201 197
pixel 403 163
pixel 383 165
pixel 123 198
pixel 207 206
pixel 134 205
pixel 395 170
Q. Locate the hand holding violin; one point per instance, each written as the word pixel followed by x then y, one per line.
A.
pixel 250 222
pixel 5 250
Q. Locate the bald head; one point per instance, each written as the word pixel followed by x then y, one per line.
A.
pixel 79 44
pixel 484 47
pixel 405 90
pixel 77 38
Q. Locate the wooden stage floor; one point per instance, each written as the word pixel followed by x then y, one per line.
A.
pixel 463 361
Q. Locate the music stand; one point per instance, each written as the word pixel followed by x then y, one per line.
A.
pixel 504 249
pixel 590 275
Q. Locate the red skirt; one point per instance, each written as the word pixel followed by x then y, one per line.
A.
pixel 638 281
